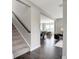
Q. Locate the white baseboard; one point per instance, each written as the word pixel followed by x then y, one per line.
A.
pixel 21 52
pixel 34 48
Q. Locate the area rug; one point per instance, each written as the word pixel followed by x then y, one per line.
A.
pixel 59 44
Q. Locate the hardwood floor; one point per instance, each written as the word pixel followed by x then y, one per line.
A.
pixel 46 51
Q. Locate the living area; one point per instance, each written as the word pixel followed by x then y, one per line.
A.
pixel 52 29
pixel 35 32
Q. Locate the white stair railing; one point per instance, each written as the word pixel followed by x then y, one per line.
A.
pixel 25 33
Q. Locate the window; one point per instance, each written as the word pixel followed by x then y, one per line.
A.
pixel 47 27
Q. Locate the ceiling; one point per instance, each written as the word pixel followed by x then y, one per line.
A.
pixel 53 7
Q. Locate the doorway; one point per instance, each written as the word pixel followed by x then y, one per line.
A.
pixel 46 27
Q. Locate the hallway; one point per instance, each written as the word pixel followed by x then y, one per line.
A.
pixel 46 51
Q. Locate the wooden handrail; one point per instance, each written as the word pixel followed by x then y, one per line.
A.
pixel 21 23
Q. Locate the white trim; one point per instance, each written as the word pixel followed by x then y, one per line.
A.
pixel 19 31
pixel 34 48
pixel 21 52
pixel 24 38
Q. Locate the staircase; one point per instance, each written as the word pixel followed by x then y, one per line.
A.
pixel 19 45
pixel 20 37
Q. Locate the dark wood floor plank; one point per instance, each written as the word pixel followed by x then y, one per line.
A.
pixel 44 52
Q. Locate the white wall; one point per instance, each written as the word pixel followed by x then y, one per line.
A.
pixel 52 7
pixel 23 12
pixel 35 28
pixel 58 25
pixel 35 25
pixel 30 16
